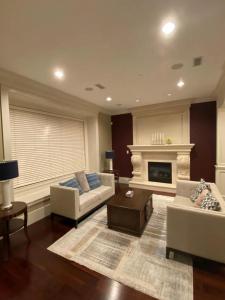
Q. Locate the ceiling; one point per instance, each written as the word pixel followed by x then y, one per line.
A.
pixel 117 43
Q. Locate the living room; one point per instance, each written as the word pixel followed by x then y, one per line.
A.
pixel 111 149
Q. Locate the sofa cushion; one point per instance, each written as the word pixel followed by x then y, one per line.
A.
pixel 103 191
pixel 72 183
pixel 82 179
pixel 93 180
pixel 210 202
pixel 181 200
pixel 89 200
pixel 200 187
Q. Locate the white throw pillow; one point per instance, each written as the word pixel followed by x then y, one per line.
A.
pixel 82 179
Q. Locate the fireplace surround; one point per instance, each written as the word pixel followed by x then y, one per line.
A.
pixel 178 155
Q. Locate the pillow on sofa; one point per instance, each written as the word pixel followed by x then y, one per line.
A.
pixel 201 197
pixel 200 187
pixel 210 202
pixel 93 180
pixel 82 179
pixel 73 183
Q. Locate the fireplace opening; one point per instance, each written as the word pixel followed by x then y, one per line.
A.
pixel 160 172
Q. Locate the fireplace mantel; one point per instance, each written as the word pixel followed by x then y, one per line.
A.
pixel 161 148
pixel 177 154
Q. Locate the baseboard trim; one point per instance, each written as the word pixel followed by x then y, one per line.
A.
pixel 39 213
pixel 124 180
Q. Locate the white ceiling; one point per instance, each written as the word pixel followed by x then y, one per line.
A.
pixel 117 43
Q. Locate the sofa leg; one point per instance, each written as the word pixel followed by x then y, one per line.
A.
pixel 167 252
pixel 76 224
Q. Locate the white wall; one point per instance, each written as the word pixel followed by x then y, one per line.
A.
pixel 93 144
pixel 1 141
pixel 173 121
pixel 105 138
pixel 220 165
pixel 5 139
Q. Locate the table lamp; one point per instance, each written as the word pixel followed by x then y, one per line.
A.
pixel 8 170
pixel 109 155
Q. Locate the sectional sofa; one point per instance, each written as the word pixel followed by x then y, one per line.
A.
pixel 194 230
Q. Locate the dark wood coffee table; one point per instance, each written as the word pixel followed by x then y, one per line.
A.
pixel 130 215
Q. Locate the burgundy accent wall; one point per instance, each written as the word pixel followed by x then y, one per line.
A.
pixel 203 135
pixel 122 135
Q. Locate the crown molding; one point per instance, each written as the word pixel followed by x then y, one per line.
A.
pixel 21 84
pixel 162 107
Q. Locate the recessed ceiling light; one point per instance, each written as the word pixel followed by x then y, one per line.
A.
pixel 108 99
pixel 180 83
pixel 169 94
pixel 59 74
pixel 137 100
pixel 168 28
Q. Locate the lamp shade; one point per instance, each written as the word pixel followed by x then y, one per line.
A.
pixel 110 154
pixel 8 170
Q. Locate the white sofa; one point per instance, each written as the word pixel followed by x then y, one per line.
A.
pixel 194 230
pixel 67 202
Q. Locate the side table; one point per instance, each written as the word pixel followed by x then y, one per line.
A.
pixel 10 224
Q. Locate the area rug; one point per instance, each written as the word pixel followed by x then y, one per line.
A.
pixel 139 263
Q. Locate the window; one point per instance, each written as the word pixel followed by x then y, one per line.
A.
pixel 45 146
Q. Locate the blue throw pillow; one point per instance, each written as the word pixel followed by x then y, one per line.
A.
pixel 93 180
pixel 73 183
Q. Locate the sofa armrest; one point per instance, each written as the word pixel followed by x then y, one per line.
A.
pixel 185 188
pixel 65 201
pixel 196 231
pixel 108 180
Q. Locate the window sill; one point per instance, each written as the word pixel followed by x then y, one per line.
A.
pixel 37 192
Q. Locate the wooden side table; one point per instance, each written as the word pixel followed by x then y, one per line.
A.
pixel 10 224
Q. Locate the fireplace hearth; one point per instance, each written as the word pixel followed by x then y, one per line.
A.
pixel 160 172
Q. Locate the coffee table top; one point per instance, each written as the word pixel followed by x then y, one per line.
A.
pixel 137 202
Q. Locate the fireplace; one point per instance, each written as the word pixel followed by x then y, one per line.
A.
pixel 175 157
pixel 160 172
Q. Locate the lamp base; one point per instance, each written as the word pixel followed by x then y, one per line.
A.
pixel 6 207
pixel 110 164
pixel 7 195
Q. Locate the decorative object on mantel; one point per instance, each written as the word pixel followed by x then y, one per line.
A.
pixel 168 141
pixel 158 138
pixel 8 170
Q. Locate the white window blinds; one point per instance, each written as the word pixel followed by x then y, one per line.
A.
pixel 45 146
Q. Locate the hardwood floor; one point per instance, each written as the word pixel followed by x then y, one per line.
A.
pixel 32 272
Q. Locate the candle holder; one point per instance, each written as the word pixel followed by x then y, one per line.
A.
pixel 158 138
